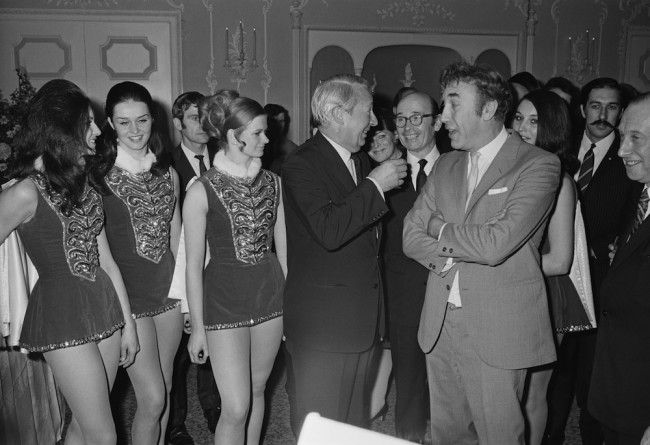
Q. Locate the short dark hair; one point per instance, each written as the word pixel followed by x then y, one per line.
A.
pixel 488 82
pixel 601 82
pixel 526 80
pixel 566 86
pixel 553 127
pixel 185 101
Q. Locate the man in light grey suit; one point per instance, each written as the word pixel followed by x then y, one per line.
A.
pixel 477 226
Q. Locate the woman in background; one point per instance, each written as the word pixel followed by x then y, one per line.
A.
pixel 143 226
pixel 79 304
pixel 383 140
pixel 236 304
pixel 542 119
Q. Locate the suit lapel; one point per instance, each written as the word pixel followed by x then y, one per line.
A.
pixel 502 163
pixel 608 161
pixel 333 165
pixel 627 248
pixel 458 172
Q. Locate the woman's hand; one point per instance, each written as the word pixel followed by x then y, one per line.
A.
pixel 198 346
pixel 130 345
pixel 187 323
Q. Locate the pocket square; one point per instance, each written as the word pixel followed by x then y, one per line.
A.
pixel 497 191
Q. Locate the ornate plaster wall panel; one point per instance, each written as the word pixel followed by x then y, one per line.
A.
pixel 133 58
pixel 43 57
pixel 637 58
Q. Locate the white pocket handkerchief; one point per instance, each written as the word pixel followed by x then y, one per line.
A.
pixel 497 191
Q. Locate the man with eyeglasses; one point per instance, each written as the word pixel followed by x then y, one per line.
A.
pixel 417 124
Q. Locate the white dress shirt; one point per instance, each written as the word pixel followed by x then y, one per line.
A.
pixel 600 150
pixel 189 154
pixel 412 161
pixel 488 153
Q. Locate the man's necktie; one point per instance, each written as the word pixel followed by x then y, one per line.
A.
pixel 356 164
pixel 641 210
pixel 472 180
pixel 421 178
pixel 586 169
pixel 202 168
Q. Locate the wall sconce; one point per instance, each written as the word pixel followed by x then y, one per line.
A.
pixel 581 57
pixel 236 55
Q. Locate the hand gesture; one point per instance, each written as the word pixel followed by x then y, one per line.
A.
pixel 197 346
pixel 129 345
pixel 390 174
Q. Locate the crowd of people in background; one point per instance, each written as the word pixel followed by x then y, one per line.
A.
pixel 496 242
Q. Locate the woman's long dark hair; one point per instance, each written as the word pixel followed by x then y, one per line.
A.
pixel 54 129
pixel 107 142
pixel 554 127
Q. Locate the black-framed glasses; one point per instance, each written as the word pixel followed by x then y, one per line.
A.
pixel 415 120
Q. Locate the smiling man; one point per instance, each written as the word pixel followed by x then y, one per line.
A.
pixel 333 291
pixel 477 226
pixel 620 389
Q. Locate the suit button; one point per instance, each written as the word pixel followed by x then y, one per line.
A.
pixel 605 313
pixel 448 287
pixel 451 250
pixel 444 249
pixel 431 266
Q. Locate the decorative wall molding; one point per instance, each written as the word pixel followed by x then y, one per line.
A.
pixel 211 76
pixel 118 45
pixel 419 10
pixel 266 77
pixel 57 43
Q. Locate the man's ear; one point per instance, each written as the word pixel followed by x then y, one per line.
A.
pixel 337 115
pixel 489 109
pixel 582 111
pixel 177 124
pixel 437 123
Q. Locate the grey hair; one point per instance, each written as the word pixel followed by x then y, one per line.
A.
pixel 341 90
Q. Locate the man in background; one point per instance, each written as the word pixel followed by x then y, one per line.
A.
pixel 191 158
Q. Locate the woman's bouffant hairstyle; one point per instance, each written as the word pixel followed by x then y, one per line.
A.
pixel 54 129
pixel 107 142
pixel 226 111
pixel 554 127
pixel 488 82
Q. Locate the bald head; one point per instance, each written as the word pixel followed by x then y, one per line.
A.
pixel 418 139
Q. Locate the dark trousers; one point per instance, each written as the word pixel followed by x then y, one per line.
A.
pixel 617 438
pixel 336 385
pixel 410 375
pixel 206 387
pixel 573 369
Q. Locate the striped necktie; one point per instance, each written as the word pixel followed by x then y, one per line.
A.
pixel 586 169
pixel 641 210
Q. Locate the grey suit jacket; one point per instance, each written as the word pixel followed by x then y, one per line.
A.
pixel 500 279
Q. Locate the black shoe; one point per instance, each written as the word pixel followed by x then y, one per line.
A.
pixel 180 436
pixel 212 416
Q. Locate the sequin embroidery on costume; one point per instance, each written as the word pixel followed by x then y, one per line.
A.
pixel 252 206
pixel 150 200
pixel 80 229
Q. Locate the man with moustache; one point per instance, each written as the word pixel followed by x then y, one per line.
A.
pixel 477 226
pixel 619 396
pixel 417 121
pixel 333 203
pixel 607 196
pixel 192 157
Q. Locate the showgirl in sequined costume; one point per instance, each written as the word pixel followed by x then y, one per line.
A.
pixel 78 313
pixel 143 228
pixel 236 303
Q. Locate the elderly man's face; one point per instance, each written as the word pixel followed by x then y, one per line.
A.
pixel 635 142
pixel 356 123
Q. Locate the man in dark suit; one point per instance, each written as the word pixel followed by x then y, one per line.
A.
pixel 477 226
pixel 619 396
pixel 606 195
pixel 332 301
pixel 190 158
pixel 416 119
